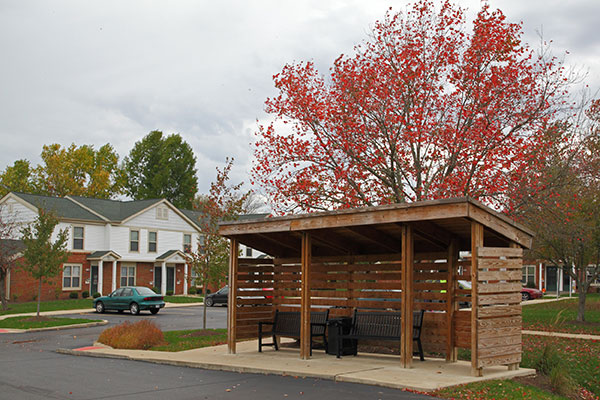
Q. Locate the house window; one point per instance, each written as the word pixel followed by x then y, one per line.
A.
pixel 134 240
pixel 71 277
pixel 162 213
pixel 187 243
pixel 201 243
pixel 127 276
pixel 528 274
pixel 194 276
pixel 248 252
pixel 78 238
pixel 152 242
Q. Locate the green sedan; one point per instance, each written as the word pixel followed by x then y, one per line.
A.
pixel 132 298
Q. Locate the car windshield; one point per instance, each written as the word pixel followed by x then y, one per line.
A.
pixel 144 291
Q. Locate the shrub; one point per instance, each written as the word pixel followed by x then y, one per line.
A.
pixel 551 364
pixel 192 290
pixel 85 294
pixel 73 295
pixel 141 335
pixel 169 293
pixel 156 290
pixel 531 285
pixel 96 295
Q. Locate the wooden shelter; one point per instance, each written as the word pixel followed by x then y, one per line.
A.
pixel 401 257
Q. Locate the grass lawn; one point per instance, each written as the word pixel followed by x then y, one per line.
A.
pixel 497 389
pixel 70 304
pixel 45 322
pixel 579 359
pixel 192 339
pixel 183 299
pixel 559 316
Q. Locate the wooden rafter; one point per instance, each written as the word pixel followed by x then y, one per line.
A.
pixel 376 236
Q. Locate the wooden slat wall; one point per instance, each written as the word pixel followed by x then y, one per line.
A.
pixel 254 296
pixel 499 306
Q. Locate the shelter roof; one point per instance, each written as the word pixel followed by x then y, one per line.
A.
pixel 378 230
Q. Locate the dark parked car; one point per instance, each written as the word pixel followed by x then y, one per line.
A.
pixel 132 298
pixel 218 297
pixel 529 294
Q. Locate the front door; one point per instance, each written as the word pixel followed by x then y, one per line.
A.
pixel 171 279
pixel 551 279
pixel 157 277
pixel 94 280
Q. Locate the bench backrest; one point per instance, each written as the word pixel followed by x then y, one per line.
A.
pixel 288 322
pixel 384 324
pixel 376 324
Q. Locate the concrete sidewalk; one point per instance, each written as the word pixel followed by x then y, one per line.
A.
pixel 372 369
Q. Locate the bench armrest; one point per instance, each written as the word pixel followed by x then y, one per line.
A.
pixel 261 323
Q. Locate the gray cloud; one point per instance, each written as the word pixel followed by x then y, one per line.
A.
pixel 111 71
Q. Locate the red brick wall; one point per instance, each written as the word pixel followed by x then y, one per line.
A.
pixel 144 275
pixel 23 287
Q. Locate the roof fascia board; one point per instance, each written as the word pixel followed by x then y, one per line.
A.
pixel 363 216
pixel 500 225
pixel 87 208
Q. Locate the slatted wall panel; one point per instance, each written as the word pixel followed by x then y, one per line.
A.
pixel 499 306
pixel 254 296
pixel 374 285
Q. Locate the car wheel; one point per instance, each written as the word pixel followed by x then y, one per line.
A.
pixel 134 308
pixel 209 302
pixel 99 307
pixel 525 296
pixel 154 310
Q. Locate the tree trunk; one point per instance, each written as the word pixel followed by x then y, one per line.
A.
pixel 3 289
pixel 39 297
pixel 204 287
pixel 581 304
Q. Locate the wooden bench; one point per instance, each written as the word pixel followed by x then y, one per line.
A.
pixel 287 324
pixel 381 326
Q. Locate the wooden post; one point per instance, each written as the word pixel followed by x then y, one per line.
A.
pixel 305 297
pixel 232 297
pixel 406 343
pixel 514 366
pixel 451 304
pixel 476 242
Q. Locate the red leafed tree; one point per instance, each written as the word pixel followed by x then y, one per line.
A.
pixel 426 108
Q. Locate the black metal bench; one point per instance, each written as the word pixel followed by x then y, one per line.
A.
pixel 287 324
pixel 381 326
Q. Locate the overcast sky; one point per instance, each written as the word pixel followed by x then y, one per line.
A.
pixel 96 72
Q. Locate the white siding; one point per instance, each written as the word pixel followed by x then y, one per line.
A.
pixel 148 220
pixel 21 213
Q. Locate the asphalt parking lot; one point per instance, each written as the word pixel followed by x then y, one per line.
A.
pixel 33 370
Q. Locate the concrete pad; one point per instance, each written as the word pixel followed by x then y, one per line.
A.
pixel 372 369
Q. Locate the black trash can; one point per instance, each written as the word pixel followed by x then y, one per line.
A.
pixel 334 326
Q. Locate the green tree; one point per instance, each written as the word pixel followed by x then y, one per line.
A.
pixel 222 203
pixel 563 204
pixel 17 178
pixel 161 167
pixel 43 258
pixel 79 171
